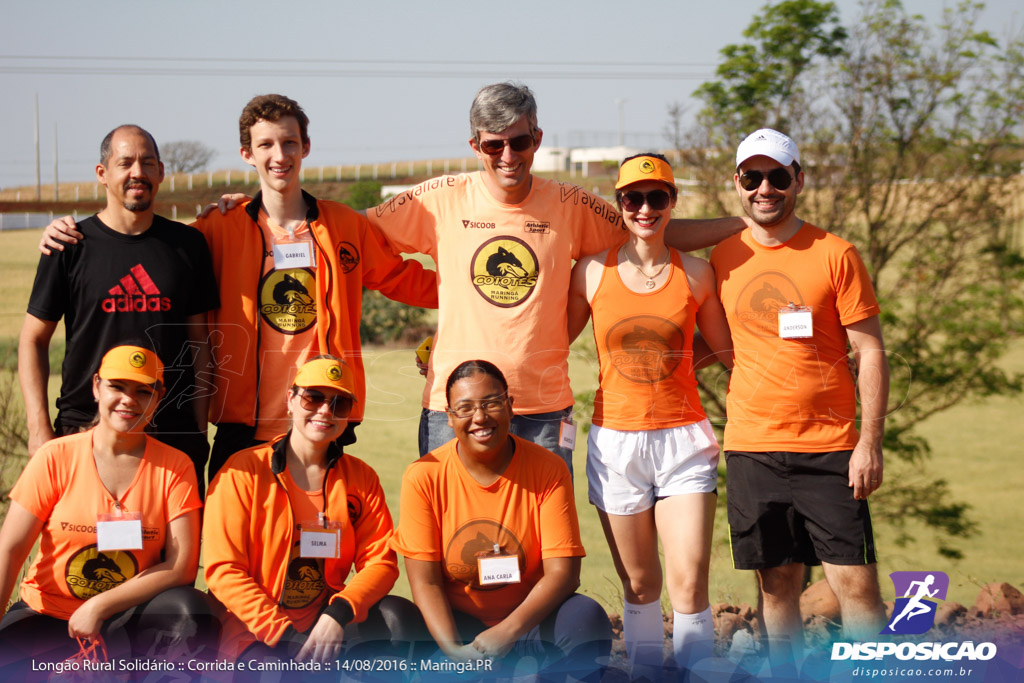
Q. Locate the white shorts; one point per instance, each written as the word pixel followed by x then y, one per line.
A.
pixel 628 471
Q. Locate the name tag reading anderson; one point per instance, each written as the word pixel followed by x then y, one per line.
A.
pixel 795 322
pixel 497 570
pixel 319 543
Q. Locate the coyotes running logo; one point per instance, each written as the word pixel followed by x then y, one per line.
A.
pixel 504 271
pixel 757 307
pixel 476 539
pixel 287 300
pixel 91 572
pixel 304 582
pixel 645 348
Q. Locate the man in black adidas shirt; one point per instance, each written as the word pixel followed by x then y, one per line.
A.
pixel 138 278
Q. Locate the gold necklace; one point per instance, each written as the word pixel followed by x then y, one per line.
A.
pixel 650 283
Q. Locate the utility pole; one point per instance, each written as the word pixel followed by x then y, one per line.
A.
pixel 39 190
pixel 56 180
pixel 622 118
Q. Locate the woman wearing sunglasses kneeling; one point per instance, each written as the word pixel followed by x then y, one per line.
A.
pixel 492 545
pixel 652 458
pixel 117 517
pixel 286 522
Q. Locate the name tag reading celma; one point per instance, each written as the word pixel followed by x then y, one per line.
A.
pixel 317 541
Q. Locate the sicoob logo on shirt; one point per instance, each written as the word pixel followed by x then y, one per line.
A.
pixel 477 539
pixel 757 307
pixel 91 572
pixel 645 348
pixel 504 271
pixel 286 300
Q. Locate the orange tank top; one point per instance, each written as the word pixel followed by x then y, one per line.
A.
pixel 645 349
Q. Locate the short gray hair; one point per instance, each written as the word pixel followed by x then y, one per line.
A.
pixel 498 106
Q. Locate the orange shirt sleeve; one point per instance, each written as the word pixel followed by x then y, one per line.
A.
pixel 384 270
pixel 855 296
pixel 375 563
pixel 559 525
pixel 226 551
pixel 42 482
pixel 418 535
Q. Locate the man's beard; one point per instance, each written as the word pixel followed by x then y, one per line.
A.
pixel 139 205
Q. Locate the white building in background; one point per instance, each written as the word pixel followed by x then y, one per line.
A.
pixel 582 161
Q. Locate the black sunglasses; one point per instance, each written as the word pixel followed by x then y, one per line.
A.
pixel 779 178
pixel 340 404
pixel 634 200
pixel 519 143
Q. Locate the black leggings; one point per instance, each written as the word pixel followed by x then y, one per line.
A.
pixel 176 625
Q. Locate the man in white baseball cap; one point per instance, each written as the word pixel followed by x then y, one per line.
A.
pixel 799 473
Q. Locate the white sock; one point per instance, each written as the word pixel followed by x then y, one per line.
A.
pixel 644 633
pixel 693 637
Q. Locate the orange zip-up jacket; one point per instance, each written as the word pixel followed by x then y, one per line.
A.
pixel 249 530
pixel 351 254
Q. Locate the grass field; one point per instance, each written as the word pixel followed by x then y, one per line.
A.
pixel 976 447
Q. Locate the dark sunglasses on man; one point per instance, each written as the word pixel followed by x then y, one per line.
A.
pixel 519 143
pixel 779 178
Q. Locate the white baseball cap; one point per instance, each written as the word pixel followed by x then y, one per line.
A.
pixel 769 143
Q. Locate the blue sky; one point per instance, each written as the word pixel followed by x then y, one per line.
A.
pixel 381 80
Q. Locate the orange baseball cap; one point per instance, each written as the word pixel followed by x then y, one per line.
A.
pixel 644 168
pixel 326 373
pixel 132 362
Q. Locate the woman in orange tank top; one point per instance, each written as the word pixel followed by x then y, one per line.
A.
pixel 652 456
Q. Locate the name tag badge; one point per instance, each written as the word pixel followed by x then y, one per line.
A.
pixel 119 532
pixel 498 569
pixel 293 254
pixel 795 322
pixel 316 541
pixel 567 433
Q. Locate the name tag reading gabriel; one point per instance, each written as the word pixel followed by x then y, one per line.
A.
pixel 795 322
pixel 293 254
pixel 498 569
pixel 316 541
pixel 119 532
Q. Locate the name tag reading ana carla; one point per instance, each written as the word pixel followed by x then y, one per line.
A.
pixel 297 254
pixel 795 322
pixel 497 570
pixel 119 532
pixel 319 543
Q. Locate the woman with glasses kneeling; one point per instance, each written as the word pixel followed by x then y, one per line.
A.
pixel 287 521
pixel 492 544
pixel 116 513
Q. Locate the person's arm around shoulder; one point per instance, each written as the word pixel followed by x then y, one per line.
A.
pixel 586 275
pixel 179 568
pixel 711 319
pixel 690 234
pixel 17 536
pixel 34 375
pixel 873 388
pixel 397 278
pixel 59 232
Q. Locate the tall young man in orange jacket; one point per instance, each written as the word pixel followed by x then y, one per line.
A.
pixel 291 271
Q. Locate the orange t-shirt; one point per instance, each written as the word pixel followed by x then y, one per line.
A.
pixel 305 590
pixel 503 273
pixel 791 394
pixel 448 517
pixel 60 485
pixel 287 309
pixel 645 349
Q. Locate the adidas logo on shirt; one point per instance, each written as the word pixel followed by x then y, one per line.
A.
pixel 136 293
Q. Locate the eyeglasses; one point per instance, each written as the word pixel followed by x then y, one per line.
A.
pixel 519 143
pixel 493 406
pixel 634 200
pixel 779 178
pixel 311 400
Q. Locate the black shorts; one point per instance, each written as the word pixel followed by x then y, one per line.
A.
pixel 795 507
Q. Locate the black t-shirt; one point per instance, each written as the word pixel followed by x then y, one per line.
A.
pixel 112 289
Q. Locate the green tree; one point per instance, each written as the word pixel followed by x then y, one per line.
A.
pixel 908 134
